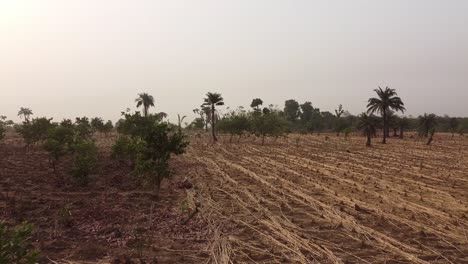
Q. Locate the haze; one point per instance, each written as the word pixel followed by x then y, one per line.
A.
pixel 75 58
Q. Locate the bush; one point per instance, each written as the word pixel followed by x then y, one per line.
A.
pixel 58 143
pixel 85 160
pixel 2 132
pixel 83 127
pixel 36 130
pixel 15 245
pixel 149 143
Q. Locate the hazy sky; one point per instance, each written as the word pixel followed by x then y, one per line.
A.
pixel 92 57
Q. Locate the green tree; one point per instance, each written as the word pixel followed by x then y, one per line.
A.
pixel 339 124
pixel 83 127
pixel 235 123
pixel 25 113
pixel 85 160
pixel 368 125
pixel 35 130
pixel 453 124
pixel 212 100
pixel 387 99
pixel 58 143
pixel 151 143
pixel 179 122
pixel 256 103
pixel 291 110
pixel 269 124
pixel 97 124
pixel 145 100
pixel 403 124
pixel 427 122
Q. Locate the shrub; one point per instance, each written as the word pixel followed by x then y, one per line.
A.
pixel 149 143
pixel 15 245
pixel 36 130
pixel 2 132
pixel 83 127
pixel 58 143
pixel 85 160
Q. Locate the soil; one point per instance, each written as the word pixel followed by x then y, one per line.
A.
pixel 301 199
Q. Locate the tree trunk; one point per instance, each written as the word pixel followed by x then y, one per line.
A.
pixel 368 143
pixel 156 188
pixel 263 140
pixel 401 132
pixel 395 134
pixel 238 140
pixel 213 123
pixel 384 141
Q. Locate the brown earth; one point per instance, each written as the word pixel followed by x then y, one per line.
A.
pixel 304 199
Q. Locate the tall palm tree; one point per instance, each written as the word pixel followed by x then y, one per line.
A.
pixel 387 100
pixel 426 124
pixel 368 124
pixel 146 100
pixel 180 120
pixel 213 100
pixel 25 113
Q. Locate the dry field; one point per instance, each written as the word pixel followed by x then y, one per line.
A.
pixel 306 200
pixel 314 200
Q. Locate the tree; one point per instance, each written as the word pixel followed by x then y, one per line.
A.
pixel 235 123
pixel 107 127
pixel 339 125
pixel 291 110
pixel 213 100
pixel 368 125
pixel 426 123
pixel 150 143
pixel 403 124
pixel 25 113
pixel 85 160
pixel 386 100
pixel 83 127
pixel 269 124
pixel 35 130
pixel 97 124
pixel 453 124
pixel 179 122
pixel 256 103
pixel 58 143
pixel 146 101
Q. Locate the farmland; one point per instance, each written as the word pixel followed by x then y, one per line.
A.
pixel 300 199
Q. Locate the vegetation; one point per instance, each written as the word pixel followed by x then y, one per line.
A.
pixel 150 143
pixel 25 113
pixel 146 101
pixel 36 130
pixel 85 152
pixel 387 100
pixel 212 100
pixel 59 142
pixel 368 124
pixel 15 244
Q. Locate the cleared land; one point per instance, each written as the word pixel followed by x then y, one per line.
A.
pixel 306 200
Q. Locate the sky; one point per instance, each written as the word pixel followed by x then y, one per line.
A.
pixel 91 58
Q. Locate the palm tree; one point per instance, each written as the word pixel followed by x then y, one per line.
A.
pixel 426 124
pixel 213 100
pixel 180 119
pixel 387 100
pixel 26 113
pixel 146 100
pixel 368 124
